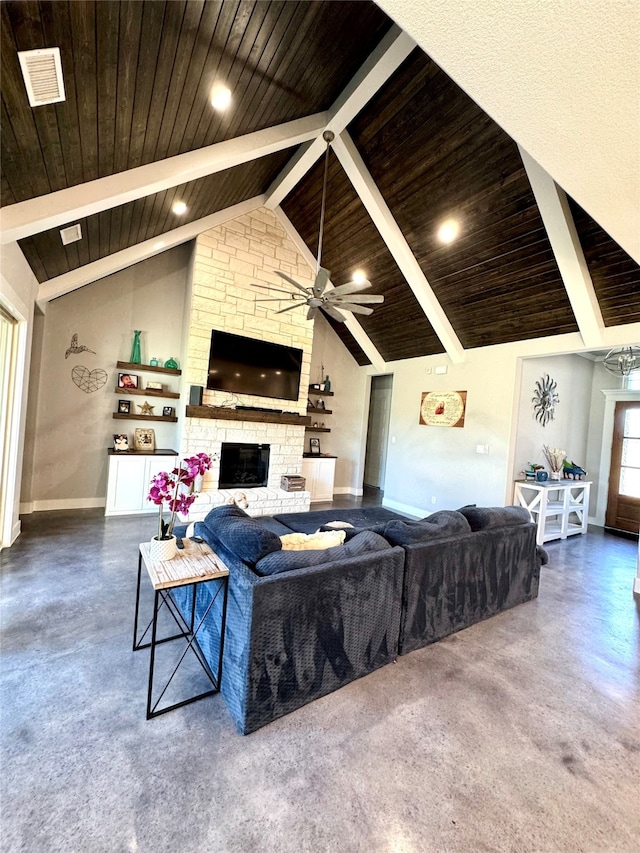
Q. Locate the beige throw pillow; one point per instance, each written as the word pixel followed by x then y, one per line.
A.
pixel 312 541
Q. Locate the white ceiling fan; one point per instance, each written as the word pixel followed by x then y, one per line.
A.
pixel 318 297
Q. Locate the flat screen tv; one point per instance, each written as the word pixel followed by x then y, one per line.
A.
pixel 247 366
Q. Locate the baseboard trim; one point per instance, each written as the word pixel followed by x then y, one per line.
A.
pixel 406 509
pixel 68 503
pixel 347 490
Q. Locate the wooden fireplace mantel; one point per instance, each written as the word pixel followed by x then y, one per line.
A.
pixel 223 414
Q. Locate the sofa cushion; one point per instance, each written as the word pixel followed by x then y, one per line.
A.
pixel 440 525
pixel 239 533
pixel 362 517
pixel 318 541
pixel 485 517
pixel 284 561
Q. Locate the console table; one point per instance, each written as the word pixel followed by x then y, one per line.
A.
pixel 194 564
pixel 560 508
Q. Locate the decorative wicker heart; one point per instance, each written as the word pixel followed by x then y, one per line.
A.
pixel 88 380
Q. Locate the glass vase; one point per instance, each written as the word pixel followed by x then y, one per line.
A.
pixel 135 348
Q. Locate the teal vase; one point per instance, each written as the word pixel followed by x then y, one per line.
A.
pixel 172 363
pixel 135 348
pixel 327 383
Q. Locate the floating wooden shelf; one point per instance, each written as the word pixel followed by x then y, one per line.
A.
pixel 313 411
pixel 265 417
pixel 147 368
pixel 316 429
pixel 148 392
pixel 144 418
pixel 313 391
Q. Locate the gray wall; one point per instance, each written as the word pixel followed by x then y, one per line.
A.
pixel 69 430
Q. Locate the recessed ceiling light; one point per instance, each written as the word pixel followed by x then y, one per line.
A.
pixel 220 97
pixel 179 207
pixel 359 276
pixel 448 231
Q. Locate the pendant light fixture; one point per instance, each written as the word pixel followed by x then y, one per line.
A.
pixel 622 361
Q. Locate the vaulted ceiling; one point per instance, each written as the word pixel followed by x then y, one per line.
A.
pixel 137 132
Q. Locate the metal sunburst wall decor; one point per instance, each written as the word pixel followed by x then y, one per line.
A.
pixel 545 399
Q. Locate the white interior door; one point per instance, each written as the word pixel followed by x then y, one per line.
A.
pixel 375 460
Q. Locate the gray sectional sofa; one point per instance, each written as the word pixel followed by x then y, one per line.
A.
pixel 300 624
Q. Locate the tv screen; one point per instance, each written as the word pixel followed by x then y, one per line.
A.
pixel 247 366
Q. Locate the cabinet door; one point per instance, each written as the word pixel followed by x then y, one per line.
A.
pixel 126 475
pixel 319 475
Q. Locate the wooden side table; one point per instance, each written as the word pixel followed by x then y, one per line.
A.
pixel 195 564
pixel 560 508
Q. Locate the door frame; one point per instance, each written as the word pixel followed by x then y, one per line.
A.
pixel 612 397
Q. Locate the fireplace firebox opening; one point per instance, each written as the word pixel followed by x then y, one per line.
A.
pixel 243 465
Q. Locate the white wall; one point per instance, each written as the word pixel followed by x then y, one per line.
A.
pixel 18 289
pixel 569 428
pixel 71 430
pixel 349 405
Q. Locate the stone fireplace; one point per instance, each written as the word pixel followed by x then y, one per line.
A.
pixel 228 259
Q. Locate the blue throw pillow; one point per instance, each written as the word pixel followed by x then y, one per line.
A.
pixel 440 525
pixel 485 517
pixel 284 561
pixel 241 534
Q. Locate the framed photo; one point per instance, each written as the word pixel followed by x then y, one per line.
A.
pixel 314 446
pixel 120 443
pixel 167 412
pixel 154 386
pixel 144 439
pixel 124 407
pixel 320 404
pixel 127 380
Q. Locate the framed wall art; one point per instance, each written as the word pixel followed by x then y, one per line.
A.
pixel 443 408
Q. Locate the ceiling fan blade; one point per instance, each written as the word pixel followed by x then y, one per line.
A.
pixel 358 297
pixel 305 290
pixel 312 313
pixel 355 309
pixel 281 299
pixel 290 307
pixel 271 287
pixel 351 287
pixel 333 312
pixel 322 279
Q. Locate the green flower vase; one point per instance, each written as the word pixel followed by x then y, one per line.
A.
pixel 135 348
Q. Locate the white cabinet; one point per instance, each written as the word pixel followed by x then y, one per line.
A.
pixel 130 478
pixel 560 508
pixel 319 475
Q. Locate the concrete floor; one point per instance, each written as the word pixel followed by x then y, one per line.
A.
pixel 518 734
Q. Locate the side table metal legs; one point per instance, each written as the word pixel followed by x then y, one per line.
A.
pixel 189 632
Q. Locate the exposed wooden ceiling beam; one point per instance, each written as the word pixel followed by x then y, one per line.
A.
pixel 556 215
pixel 110 264
pixel 351 323
pixel 385 59
pixel 59 208
pixel 390 232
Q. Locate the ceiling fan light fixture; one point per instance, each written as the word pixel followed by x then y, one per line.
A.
pixel 448 231
pixel 320 297
pixel 622 360
pixel 220 97
pixel 179 207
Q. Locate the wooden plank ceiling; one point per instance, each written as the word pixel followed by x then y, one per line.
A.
pixel 137 78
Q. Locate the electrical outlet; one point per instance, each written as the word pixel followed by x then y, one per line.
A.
pixel 434 500
pixel 428 371
pixel 393 439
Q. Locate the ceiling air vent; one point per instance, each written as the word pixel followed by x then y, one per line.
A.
pixel 71 234
pixel 42 72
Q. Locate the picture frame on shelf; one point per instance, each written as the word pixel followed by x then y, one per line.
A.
pixel 167 411
pixel 128 380
pixel 120 443
pixel 144 439
pixel 124 407
pixel 154 386
pixel 314 446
